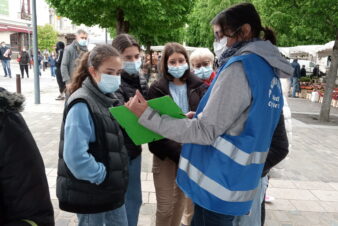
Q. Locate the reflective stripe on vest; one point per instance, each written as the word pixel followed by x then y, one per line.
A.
pixel 237 155
pixel 212 186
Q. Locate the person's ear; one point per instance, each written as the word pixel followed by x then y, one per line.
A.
pixel 246 31
pixel 95 75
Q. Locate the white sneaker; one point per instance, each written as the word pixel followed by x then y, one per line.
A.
pixel 269 199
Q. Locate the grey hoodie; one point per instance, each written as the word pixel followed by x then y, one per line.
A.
pixel 228 104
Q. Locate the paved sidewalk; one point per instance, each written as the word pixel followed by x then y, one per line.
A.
pixel 306 191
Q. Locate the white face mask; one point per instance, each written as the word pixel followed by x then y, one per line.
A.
pixel 220 46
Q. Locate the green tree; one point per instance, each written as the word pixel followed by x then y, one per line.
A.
pixel 151 22
pixel 47 37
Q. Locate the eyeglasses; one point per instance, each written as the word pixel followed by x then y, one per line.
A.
pixel 219 34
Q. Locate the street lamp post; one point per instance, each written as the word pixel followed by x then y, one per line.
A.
pixel 35 55
pixel 29 37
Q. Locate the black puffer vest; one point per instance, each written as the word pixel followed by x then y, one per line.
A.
pixel 129 85
pixel 81 196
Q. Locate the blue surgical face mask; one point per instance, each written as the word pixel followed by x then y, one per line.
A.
pixel 178 72
pixel 132 67
pixel 203 72
pixel 109 83
pixel 83 42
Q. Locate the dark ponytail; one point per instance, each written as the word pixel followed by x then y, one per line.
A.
pixel 94 58
pixel 269 35
pixel 80 74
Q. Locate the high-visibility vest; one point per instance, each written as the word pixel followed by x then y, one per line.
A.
pixel 223 177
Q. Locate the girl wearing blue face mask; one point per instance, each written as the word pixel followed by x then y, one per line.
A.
pixel 186 90
pixel 93 162
pixel 131 80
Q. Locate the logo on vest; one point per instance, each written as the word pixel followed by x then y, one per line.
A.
pixel 274 94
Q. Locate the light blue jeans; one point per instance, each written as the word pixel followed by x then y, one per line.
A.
pixel 295 86
pixel 117 217
pixel 134 193
pixel 7 67
pixel 254 218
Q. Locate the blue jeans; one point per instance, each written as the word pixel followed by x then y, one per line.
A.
pixel 134 193
pixel 7 67
pixel 115 217
pixel 204 217
pixel 295 86
pixel 52 70
pixel 254 218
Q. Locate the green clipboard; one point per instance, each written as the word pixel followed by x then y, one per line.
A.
pixel 138 133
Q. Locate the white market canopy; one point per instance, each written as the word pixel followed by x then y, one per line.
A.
pixel 306 51
pixel 189 49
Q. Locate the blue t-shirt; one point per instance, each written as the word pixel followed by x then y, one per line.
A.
pixel 180 96
pixel 79 131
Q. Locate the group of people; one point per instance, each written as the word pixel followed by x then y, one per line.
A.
pixel 211 168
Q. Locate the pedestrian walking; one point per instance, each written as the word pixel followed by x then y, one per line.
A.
pixel 60 46
pixel 295 78
pixel 202 61
pixel 52 64
pixel 72 53
pixel 228 139
pixel 45 56
pixel 186 90
pixel 93 161
pixel 24 60
pixel 24 197
pixel 5 58
pixel 303 71
pixel 131 80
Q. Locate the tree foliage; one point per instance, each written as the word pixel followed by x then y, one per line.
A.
pixel 300 22
pixel 151 22
pixel 47 37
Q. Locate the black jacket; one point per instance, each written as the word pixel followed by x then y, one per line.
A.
pixel 24 192
pixel 196 89
pixel 80 196
pixel 24 58
pixel 279 147
pixel 129 85
pixel 60 47
pixel 3 51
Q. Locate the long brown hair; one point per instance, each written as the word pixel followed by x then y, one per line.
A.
pixel 169 49
pixel 93 58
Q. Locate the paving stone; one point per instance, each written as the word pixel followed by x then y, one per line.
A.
pixel 285 193
pixel 313 185
pixel 280 204
pixel 326 195
pixel 334 185
pixel 331 207
pixel 281 183
pixel 148 186
pixel 306 205
pixel 152 197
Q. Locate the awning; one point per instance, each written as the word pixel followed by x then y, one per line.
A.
pixel 13 28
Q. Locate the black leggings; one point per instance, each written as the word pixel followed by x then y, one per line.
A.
pixel 61 83
pixel 22 68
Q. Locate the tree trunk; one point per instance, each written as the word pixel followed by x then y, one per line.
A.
pixel 330 84
pixel 122 26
